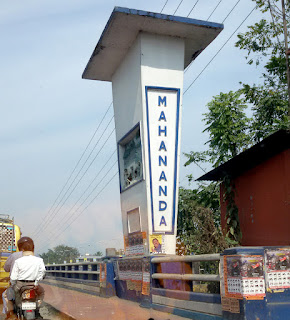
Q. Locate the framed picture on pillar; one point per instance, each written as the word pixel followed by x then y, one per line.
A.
pixel 130 158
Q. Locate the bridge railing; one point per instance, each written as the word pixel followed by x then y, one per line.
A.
pixel 183 285
pixel 80 270
pixel 176 285
pixel 87 276
pixel 187 259
pixel 174 280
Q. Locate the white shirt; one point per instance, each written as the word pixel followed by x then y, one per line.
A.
pixel 28 268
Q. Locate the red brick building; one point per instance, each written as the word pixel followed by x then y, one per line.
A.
pixel 261 176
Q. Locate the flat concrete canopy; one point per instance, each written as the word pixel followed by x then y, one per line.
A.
pixel 123 28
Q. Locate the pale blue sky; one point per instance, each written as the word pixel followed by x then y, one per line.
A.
pixel 48 113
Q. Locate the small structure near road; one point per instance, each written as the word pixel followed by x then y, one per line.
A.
pixel 261 176
pixel 144 55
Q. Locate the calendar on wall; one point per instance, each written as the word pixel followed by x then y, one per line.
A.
pixel 278 268
pixel 244 277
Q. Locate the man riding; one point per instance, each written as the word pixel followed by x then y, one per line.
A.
pixel 8 294
pixel 27 270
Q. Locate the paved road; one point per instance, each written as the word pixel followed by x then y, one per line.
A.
pixel 82 306
pixel 47 312
pixel 74 305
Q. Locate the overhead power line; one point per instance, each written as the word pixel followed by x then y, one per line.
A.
pixel 218 51
pixel 84 201
pixel 55 212
pixel 214 10
pixel 222 22
pixel 178 7
pixel 78 162
pixel 184 93
pixel 87 159
pixel 96 176
pixel 60 203
pixel 53 234
pixel 193 8
pixel 164 6
pixel 231 11
pixel 84 208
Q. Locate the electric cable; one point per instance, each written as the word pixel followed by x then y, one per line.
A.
pixel 222 22
pixel 54 214
pixel 95 132
pixel 188 86
pixel 214 10
pixel 96 186
pixel 88 157
pixel 53 234
pixel 195 5
pixel 60 221
pixel 192 8
pixel 164 6
pixel 231 11
pixel 218 51
pixel 274 25
pixel 96 176
pixel 85 207
pixel 57 207
pixel 177 7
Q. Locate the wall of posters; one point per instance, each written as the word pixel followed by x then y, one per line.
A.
pixel 278 268
pixel 103 274
pixel 146 278
pixel 136 273
pixel 230 305
pixel 134 244
pixel 156 243
pixel 244 277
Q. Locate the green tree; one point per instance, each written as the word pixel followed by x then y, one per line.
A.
pixel 230 130
pixel 264 43
pixel 98 253
pixel 59 254
pixel 226 123
pixel 197 227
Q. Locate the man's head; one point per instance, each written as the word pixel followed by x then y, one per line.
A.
pixel 155 242
pixel 25 244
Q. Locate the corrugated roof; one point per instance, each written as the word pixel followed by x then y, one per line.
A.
pixel 259 153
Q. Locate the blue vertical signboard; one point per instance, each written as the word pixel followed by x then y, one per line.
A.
pixel 163 107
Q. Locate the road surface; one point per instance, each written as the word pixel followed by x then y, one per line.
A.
pixel 47 312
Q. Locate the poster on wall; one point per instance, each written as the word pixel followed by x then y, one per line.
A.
pixel 122 268
pixel 134 244
pixel 156 243
pixel 278 268
pixel 103 274
pixel 130 270
pixel 244 277
pixel 230 305
pixel 146 278
pixel 137 274
pixel 116 269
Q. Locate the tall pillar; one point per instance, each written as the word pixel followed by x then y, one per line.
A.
pixel 144 55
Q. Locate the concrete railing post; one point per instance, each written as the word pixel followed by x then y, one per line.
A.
pixel 256 283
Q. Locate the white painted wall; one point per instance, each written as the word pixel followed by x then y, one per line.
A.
pixel 152 61
pixel 126 86
pixel 163 66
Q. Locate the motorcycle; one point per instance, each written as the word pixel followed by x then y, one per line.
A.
pixel 27 303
